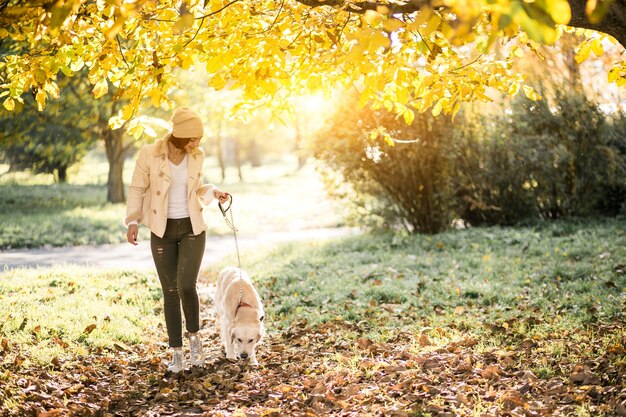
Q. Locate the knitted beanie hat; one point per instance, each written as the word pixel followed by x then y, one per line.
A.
pixel 186 124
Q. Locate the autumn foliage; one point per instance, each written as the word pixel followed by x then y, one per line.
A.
pixel 411 57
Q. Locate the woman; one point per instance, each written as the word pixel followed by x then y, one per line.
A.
pixel 165 195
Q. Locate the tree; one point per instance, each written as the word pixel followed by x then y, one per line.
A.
pixel 52 140
pixel 407 56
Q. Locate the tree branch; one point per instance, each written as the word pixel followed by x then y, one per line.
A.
pixel 362 6
pixel 614 23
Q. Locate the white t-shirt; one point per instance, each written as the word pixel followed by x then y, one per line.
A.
pixel 177 205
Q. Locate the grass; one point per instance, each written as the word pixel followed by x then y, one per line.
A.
pixel 540 299
pixel 48 312
pixel 37 212
pixel 456 277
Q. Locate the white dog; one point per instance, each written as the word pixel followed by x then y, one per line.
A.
pixel 240 314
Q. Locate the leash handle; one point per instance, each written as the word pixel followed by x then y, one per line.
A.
pixel 230 203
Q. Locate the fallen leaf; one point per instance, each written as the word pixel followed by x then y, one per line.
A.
pixel 89 329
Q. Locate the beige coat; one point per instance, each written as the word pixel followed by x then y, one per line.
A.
pixel 148 191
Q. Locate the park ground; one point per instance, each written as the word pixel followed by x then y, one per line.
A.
pixel 520 321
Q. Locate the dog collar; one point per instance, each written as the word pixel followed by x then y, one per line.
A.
pixel 242 304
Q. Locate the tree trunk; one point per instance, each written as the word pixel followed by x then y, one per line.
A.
pixel 238 158
pixel 113 140
pixel 573 76
pixel 254 154
pixel 219 151
pixel 62 174
pixel 298 146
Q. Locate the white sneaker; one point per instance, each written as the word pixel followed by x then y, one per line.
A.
pixel 195 350
pixel 178 361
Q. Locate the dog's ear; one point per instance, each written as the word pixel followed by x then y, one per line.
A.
pixel 262 318
pixel 232 335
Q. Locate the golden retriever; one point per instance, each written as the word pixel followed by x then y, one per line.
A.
pixel 240 314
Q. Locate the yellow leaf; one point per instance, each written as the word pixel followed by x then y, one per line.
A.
pixel 51 88
pixel 372 18
pixel 40 98
pixel 402 94
pixel 127 112
pixel 101 88
pixel 269 86
pixel 9 104
pixel 596 10
pixel 583 53
pixel 613 74
pixel 365 96
pixel 513 89
pixel 559 11
pixel 391 25
pixel 531 93
pixel 366 67
pixel 437 109
pixel 185 22
pixel 433 25
pixel 155 97
pixel 214 64
pixel 355 53
pixel 596 47
pixel 408 116
pixel 379 40
pixel 77 65
pixel 455 108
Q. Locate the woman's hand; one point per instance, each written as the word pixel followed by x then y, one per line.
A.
pixel 131 234
pixel 221 196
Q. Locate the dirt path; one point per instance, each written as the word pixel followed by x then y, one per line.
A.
pixel 124 256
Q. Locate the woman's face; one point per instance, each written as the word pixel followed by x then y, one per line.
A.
pixel 192 144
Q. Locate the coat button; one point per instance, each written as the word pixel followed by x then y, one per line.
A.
pixel 154 211
pixel 161 174
pixel 158 192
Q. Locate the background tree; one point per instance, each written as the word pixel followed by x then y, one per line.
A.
pixel 52 140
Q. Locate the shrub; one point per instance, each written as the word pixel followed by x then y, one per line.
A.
pixel 493 184
pixel 548 158
pixel 396 173
pixel 537 159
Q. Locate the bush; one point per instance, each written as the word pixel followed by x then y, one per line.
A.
pixel 492 181
pixel 538 159
pixel 545 158
pixel 398 174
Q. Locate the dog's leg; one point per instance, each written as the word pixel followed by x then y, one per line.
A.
pixel 223 334
pixel 253 360
pixel 230 349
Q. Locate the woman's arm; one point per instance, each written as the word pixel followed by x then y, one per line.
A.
pixel 136 191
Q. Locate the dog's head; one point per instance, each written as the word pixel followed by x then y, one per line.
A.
pixel 245 335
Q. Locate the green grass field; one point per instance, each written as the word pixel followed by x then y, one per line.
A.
pixel 475 322
pixel 37 212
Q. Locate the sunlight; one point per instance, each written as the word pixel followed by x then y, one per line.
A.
pixel 314 105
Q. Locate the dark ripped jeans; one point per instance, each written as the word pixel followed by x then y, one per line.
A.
pixel 177 257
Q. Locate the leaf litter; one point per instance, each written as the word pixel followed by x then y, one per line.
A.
pixel 316 370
